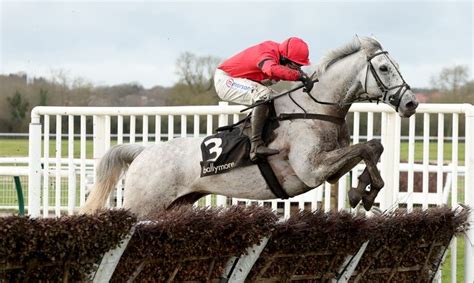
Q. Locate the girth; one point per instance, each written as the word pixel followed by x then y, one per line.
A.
pixel 328 118
pixel 266 169
pixel 271 180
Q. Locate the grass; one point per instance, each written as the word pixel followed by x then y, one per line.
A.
pixel 13 147
pixel 433 151
pixel 446 268
pixel 19 147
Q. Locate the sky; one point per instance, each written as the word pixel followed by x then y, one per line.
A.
pixel 114 42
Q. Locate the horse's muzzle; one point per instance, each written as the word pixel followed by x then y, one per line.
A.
pixel 408 109
pixel 408 104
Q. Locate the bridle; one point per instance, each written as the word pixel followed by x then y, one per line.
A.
pixel 393 99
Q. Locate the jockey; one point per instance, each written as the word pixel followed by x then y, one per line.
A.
pixel 245 79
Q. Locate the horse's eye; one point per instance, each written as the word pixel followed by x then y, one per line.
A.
pixel 383 68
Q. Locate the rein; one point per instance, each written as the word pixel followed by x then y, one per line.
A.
pixel 313 116
pixel 275 97
pixel 393 99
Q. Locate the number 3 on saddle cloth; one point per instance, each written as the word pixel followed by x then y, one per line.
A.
pixel 230 147
pixel 225 151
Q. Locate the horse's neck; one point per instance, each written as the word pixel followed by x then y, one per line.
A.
pixel 333 87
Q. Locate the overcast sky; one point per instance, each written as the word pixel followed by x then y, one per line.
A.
pixel 112 42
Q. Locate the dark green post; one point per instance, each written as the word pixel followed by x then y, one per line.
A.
pixel 19 192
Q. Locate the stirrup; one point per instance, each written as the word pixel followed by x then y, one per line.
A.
pixel 262 151
pixel 265 151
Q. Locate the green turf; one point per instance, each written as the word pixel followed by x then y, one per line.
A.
pixel 446 268
pixel 19 147
pixel 13 147
pixel 433 151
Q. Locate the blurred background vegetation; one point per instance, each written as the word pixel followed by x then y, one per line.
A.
pixel 19 93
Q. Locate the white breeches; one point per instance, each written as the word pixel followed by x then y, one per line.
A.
pixel 239 90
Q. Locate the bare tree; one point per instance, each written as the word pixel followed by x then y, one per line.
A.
pixel 60 80
pixel 196 71
pixel 451 79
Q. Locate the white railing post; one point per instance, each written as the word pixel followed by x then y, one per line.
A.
pixel 98 140
pixel 34 174
pixel 82 189
pixel 426 159
pixel 469 194
pixel 170 127
pixel 57 175
pixel 411 162
pixel 223 118
pixel 389 169
pixel 342 192
pixel 45 166
pixel 99 137
pixel 356 127
pixel 71 203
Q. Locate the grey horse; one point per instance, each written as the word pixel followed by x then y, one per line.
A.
pixel 312 151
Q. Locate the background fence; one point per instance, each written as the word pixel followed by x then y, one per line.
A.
pixel 424 172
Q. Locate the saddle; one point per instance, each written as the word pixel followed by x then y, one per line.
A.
pixel 229 148
pixel 225 151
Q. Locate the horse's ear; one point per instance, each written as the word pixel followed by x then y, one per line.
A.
pixel 356 37
pixel 358 41
pixel 376 40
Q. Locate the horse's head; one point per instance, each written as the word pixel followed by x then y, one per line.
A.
pixel 382 80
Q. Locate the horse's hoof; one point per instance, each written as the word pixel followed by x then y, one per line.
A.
pixel 354 197
pixel 367 204
pixel 368 199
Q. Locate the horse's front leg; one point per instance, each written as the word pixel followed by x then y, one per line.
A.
pixel 365 179
pixel 368 197
pixel 334 164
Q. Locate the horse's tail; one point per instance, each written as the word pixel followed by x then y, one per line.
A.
pixel 108 173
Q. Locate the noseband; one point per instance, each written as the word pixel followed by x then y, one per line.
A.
pixel 393 99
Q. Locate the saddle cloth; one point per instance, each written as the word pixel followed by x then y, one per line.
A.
pixel 224 151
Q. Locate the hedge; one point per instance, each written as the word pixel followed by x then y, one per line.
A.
pixel 57 249
pixel 194 244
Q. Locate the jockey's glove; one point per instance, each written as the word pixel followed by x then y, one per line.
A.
pixel 307 82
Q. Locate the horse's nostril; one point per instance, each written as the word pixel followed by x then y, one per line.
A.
pixel 411 105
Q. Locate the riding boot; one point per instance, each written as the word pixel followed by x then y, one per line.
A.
pixel 258 148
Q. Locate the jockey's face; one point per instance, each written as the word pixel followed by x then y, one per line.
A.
pixel 293 65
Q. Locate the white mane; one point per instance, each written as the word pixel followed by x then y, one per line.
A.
pixel 369 44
